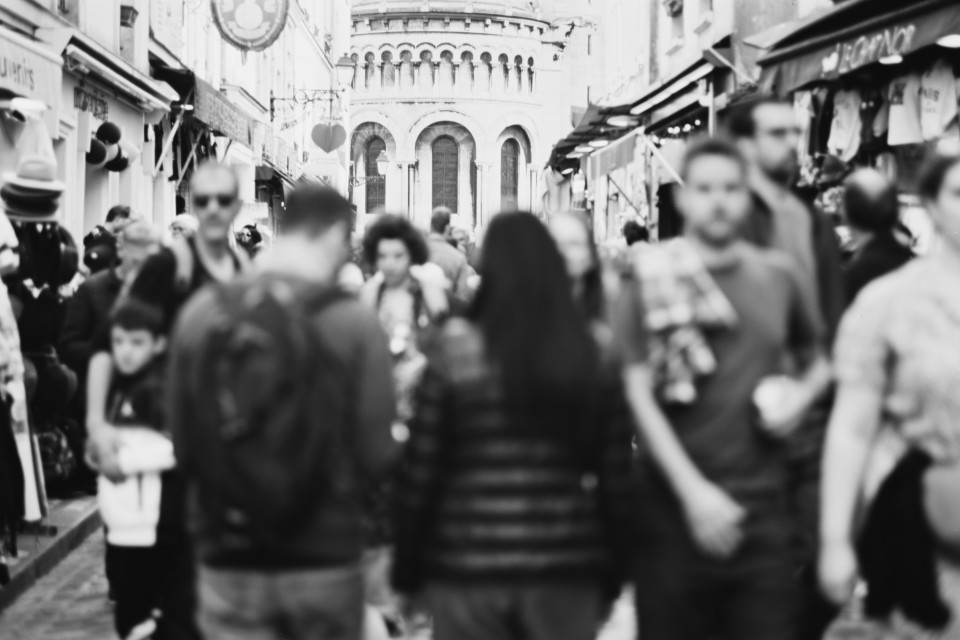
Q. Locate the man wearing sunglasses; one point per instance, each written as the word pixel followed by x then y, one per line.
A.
pixel 767 132
pixel 167 280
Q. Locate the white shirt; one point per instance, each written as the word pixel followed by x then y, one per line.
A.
pixel 904 97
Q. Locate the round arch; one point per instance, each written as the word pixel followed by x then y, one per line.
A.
pixel 430 172
pixel 471 124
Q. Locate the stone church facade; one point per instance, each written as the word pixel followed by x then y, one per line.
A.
pixel 464 97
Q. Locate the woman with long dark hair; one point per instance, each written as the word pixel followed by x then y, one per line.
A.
pixel 514 501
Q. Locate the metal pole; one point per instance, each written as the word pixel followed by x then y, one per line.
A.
pixel 169 143
pixel 712 112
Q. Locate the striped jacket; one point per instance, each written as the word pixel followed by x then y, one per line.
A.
pixel 480 500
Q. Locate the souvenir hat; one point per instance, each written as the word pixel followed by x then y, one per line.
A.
pixel 32 193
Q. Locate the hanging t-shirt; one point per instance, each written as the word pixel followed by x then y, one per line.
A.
pixel 803 106
pixel 938 100
pixel 845 129
pixel 904 98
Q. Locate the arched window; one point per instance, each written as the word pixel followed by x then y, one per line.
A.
pixel 446 172
pixel 509 174
pixel 376 189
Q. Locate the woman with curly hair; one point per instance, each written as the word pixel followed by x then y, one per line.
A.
pixel 409 302
pixel 406 293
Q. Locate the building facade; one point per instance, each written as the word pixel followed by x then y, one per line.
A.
pixel 178 93
pixel 672 66
pixel 465 98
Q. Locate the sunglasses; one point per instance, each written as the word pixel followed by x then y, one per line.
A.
pixel 223 200
pixel 783 132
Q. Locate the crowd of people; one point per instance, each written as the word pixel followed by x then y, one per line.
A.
pixel 740 424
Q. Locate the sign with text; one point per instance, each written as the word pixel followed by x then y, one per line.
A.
pixel 24 71
pixel 900 37
pixel 217 112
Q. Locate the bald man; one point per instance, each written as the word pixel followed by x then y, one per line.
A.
pixel 167 280
pixel 872 212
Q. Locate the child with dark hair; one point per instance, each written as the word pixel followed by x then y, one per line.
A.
pixel 136 507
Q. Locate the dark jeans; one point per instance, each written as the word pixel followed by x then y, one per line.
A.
pixel 516 612
pixel 805 455
pixel 159 578
pixel 683 594
pixel 308 604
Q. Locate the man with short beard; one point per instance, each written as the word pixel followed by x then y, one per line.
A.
pixel 767 132
pixel 715 556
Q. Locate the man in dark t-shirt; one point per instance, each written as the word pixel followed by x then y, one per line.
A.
pixel 166 281
pixel 715 551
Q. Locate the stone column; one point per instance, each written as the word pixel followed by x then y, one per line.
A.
pixel 483 194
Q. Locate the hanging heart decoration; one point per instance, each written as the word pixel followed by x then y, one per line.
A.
pixel 329 136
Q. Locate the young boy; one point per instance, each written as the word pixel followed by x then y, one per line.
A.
pixel 135 508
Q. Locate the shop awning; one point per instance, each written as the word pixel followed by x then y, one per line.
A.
pixel 854 35
pixel 85 55
pixel 31 70
pixel 210 107
pixel 593 125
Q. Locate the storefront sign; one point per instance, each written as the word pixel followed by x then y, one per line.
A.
pixel 217 112
pixel 785 72
pixel 91 100
pixel 894 41
pixel 26 70
pixel 250 25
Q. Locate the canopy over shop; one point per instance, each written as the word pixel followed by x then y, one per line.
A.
pixel 876 84
pixel 629 152
pixel 876 80
pixel 203 114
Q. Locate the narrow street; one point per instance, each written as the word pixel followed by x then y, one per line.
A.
pixel 70 603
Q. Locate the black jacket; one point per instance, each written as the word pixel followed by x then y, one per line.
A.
pixel 826 252
pixel 87 314
pixel 877 257
pixel 897 550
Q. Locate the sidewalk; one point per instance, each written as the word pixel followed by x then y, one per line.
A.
pixel 69 523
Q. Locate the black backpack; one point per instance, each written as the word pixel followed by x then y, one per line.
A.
pixel 272 402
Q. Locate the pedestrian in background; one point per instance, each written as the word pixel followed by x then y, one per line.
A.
pixel 447 257
pixel 872 211
pixel 89 308
pixel 167 280
pixel 706 322
pixel 410 306
pixel 278 435
pixel 117 217
pixel 138 509
pixel 634 232
pixel 898 368
pixel 514 501
pixel 767 132
pixel 575 240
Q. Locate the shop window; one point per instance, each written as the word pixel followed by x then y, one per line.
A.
pixel 376 189
pixel 509 174
pixel 446 172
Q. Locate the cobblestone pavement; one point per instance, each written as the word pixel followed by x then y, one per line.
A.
pixel 70 603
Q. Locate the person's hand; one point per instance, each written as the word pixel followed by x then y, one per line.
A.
pixel 837 569
pixel 783 404
pixel 714 519
pixel 102 452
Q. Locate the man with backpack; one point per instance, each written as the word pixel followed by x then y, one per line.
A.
pixel 167 280
pixel 281 404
